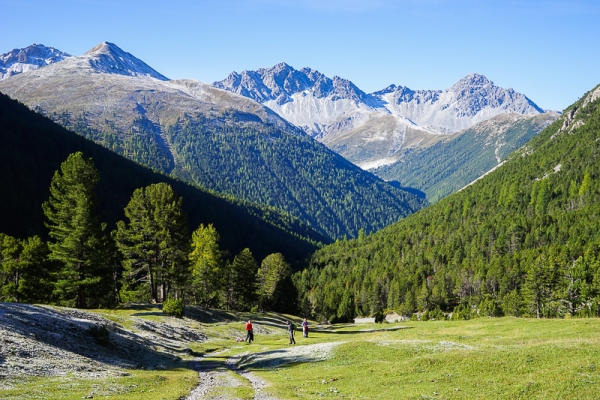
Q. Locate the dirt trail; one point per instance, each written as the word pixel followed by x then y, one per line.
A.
pixel 213 375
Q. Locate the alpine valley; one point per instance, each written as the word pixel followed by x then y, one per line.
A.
pixel 207 136
pixel 306 202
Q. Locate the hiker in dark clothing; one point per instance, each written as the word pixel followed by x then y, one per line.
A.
pixel 290 329
pixel 249 333
pixel 305 328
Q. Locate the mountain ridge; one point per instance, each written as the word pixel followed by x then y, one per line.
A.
pixel 521 241
pixel 212 138
pixel 343 117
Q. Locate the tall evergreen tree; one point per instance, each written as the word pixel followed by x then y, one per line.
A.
pixel 79 241
pixel 35 283
pixel 206 266
pixel 10 250
pixel 154 244
pixel 273 270
pixel 241 282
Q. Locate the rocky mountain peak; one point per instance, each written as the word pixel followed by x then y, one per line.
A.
pixel 108 58
pixel 29 58
pixel 473 80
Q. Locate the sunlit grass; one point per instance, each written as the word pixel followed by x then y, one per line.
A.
pixel 140 385
pixel 498 358
pixel 479 359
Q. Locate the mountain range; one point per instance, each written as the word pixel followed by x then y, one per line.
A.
pixel 375 129
pixel 210 137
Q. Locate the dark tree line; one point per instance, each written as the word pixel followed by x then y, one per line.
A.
pixel 32 147
pixel 150 257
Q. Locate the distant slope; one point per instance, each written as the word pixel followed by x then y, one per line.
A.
pixel 453 163
pixel 531 226
pixel 375 129
pixel 32 147
pixel 209 137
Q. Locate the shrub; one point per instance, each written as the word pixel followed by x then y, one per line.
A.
pixel 174 307
pixel 489 308
pixel 100 334
pixel 437 314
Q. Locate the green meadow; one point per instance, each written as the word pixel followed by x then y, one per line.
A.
pixel 484 358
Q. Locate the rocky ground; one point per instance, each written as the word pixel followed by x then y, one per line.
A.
pixel 46 341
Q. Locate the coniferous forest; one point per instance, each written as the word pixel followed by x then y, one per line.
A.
pixel 39 262
pixel 522 241
pixel 261 164
pixel 149 257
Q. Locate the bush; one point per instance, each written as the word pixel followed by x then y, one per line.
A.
pixel 436 314
pixel 489 308
pixel 100 334
pixel 462 311
pixel 174 307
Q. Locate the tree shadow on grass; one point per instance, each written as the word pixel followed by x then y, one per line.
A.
pixel 85 334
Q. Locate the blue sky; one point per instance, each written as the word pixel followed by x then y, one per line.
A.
pixel 548 50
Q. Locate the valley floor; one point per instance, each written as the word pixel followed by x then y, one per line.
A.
pixel 58 353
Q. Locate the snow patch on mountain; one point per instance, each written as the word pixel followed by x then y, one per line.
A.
pixel 29 58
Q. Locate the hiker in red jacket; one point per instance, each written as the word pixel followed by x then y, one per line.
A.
pixel 249 333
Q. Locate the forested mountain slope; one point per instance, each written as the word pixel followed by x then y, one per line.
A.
pixel 32 148
pixel 523 240
pixel 453 163
pixel 209 137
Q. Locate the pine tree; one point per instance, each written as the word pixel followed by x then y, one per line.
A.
pixel 10 251
pixel 35 280
pixel 206 266
pixel 241 282
pixel 79 242
pixel 539 285
pixel 154 244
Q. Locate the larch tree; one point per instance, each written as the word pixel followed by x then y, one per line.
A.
pixel 273 270
pixel 206 266
pixel 79 242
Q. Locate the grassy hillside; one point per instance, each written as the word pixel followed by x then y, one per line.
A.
pixel 451 164
pixel 32 147
pixel 524 240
